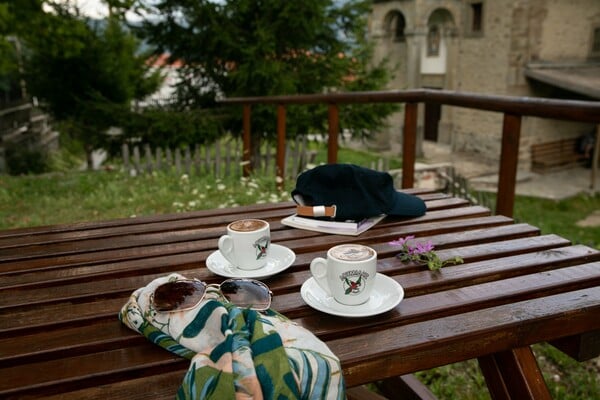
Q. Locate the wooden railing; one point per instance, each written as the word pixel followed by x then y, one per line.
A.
pixel 513 108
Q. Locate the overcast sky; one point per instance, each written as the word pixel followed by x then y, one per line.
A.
pixel 95 9
pixel 91 8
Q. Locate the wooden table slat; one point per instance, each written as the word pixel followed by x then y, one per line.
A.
pixel 414 283
pixel 181 241
pixel 67 271
pixel 18 317
pixel 88 291
pixel 61 288
pixel 149 223
pixel 160 386
pixel 112 239
pixel 416 308
pixel 460 300
pixel 44 291
pixel 426 344
pixel 88 370
pixel 170 218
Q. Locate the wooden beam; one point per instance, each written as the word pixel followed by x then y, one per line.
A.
pixel 246 162
pixel 334 127
pixel 509 158
pixel 595 158
pixel 280 145
pixel 409 144
pixel 514 374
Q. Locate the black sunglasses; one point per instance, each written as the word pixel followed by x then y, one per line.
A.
pixel 186 294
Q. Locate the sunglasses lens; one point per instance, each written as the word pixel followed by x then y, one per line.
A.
pixel 247 293
pixel 178 295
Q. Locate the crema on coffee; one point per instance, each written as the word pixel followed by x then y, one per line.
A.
pixel 247 225
pixel 352 252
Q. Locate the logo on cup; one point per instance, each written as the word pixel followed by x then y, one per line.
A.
pixel 246 244
pixel 261 246
pixel 347 274
pixel 354 282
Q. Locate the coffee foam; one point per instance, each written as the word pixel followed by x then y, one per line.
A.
pixel 352 252
pixel 247 225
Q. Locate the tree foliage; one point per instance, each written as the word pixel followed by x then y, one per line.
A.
pixel 85 72
pixel 270 47
pixel 88 72
pixel 10 62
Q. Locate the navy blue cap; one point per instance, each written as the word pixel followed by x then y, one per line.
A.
pixel 357 192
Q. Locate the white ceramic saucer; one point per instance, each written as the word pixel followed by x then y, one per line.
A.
pixel 279 259
pixel 386 295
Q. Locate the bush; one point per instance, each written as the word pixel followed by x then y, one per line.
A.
pixel 22 160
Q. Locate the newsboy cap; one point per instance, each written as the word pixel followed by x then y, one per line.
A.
pixel 350 192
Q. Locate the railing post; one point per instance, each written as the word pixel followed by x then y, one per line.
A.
pixel 409 144
pixel 280 158
pixel 509 157
pixel 334 127
pixel 595 158
pixel 247 164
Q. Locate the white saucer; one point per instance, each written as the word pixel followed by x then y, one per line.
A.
pixel 279 259
pixel 386 295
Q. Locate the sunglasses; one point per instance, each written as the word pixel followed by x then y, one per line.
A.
pixel 186 294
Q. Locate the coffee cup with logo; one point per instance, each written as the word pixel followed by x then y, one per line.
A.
pixel 348 274
pixel 246 244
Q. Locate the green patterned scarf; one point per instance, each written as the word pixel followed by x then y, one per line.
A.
pixel 237 353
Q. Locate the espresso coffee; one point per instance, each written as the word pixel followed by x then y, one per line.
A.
pixel 347 274
pixel 352 252
pixel 246 244
pixel 247 225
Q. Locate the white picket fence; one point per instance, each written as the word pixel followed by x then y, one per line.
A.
pixel 221 158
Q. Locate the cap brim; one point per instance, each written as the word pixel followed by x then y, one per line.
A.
pixel 407 205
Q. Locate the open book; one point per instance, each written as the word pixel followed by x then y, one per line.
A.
pixel 352 228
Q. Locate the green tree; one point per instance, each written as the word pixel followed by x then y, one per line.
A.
pixel 86 72
pixel 10 60
pixel 269 47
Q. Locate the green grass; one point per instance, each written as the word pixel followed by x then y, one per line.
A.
pixel 561 217
pixel 566 378
pixel 84 196
pixel 358 157
pixel 62 197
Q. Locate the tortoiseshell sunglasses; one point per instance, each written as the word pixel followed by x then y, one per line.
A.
pixel 186 294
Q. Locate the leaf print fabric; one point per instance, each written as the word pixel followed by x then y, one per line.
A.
pixel 237 353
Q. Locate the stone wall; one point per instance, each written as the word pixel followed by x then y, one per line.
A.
pixel 514 33
pixel 566 32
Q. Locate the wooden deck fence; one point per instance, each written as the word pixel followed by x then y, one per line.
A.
pixel 513 110
pixel 220 159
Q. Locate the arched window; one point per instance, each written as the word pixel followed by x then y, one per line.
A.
pixel 596 41
pixel 433 41
pixel 400 25
pixel 395 26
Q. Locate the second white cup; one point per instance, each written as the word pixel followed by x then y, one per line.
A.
pixel 348 274
pixel 246 244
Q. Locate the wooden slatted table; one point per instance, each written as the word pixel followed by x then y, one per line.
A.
pixel 61 288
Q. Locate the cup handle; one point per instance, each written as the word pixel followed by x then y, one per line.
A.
pixel 318 269
pixel 226 248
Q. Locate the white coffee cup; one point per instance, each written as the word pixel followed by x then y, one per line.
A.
pixel 348 274
pixel 246 244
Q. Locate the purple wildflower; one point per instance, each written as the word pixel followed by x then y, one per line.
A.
pixel 401 241
pixel 422 248
pixel 421 253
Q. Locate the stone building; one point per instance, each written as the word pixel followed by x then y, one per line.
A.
pixel 536 48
